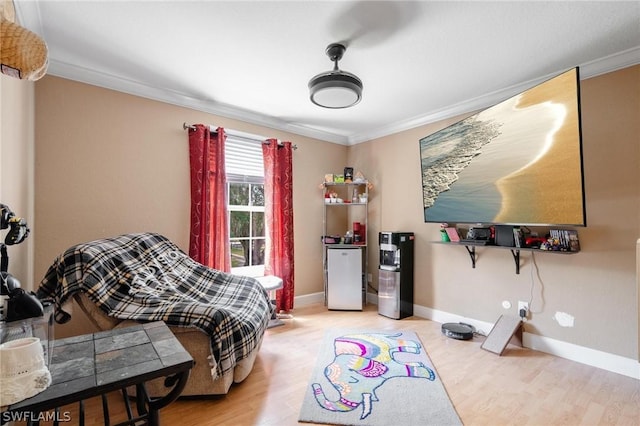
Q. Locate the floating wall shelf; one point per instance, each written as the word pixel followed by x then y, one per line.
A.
pixel 515 251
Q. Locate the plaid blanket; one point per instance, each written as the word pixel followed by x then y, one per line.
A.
pixel 146 277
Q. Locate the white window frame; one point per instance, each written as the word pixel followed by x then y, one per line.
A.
pixel 245 154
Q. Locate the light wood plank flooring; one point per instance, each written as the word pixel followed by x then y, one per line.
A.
pixel 522 387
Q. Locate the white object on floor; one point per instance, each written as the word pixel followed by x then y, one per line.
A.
pixel 271 283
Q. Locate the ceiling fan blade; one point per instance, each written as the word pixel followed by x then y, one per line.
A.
pixel 368 23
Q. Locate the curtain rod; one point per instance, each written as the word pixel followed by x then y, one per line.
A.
pixel 238 134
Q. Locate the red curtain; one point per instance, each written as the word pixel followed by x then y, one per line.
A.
pixel 209 239
pixel 278 196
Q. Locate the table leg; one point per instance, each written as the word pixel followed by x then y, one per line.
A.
pixel 127 405
pixel 81 411
pixel 155 404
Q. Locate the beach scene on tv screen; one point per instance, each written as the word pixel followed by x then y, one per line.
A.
pixel 518 162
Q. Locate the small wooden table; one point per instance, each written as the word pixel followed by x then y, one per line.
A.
pixel 92 365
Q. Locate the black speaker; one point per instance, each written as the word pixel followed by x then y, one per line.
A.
pixel 504 236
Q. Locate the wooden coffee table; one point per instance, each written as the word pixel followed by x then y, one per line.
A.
pixel 95 364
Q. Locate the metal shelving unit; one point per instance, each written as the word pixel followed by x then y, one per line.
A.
pixel 338 218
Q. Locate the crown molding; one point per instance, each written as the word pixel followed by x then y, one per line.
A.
pixel 137 88
pixel 30 16
pixel 590 69
pixel 97 78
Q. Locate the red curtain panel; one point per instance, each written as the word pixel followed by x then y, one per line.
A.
pixel 278 194
pixel 209 237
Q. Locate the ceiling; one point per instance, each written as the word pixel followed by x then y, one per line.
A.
pixel 420 61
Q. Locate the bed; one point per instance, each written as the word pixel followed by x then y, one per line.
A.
pixel 219 318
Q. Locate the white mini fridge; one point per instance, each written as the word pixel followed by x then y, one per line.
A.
pixel 344 278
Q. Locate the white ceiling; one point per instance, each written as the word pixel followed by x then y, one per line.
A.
pixel 419 61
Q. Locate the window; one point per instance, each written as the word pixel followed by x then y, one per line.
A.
pixel 245 188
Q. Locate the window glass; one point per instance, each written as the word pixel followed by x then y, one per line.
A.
pixel 239 224
pixel 238 257
pixel 245 179
pixel 257 224
pixel 257 195
pixel 238 194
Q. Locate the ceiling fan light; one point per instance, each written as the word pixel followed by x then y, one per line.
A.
pixel 335 89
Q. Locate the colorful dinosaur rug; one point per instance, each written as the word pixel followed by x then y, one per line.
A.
pixel 375 378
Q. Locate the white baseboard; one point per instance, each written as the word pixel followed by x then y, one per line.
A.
pixel 308 299
pixel 595 358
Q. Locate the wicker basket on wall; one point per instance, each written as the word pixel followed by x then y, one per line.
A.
pixel 23 54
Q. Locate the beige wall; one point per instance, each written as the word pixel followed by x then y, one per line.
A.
pixel 109 163
pixel 16 168
pixel 597 286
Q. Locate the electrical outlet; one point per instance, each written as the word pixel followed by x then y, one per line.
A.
pixel 523 305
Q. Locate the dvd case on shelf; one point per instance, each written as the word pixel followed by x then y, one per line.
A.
pixel 567 238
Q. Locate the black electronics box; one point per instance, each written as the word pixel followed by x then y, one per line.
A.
pixel 480 234
pixel 504 236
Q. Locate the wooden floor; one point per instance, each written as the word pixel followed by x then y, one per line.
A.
pixel 522 387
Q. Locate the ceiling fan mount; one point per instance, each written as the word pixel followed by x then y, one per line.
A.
pixel 335 51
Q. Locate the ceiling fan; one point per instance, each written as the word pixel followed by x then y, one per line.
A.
pixel 365 24
pixel 336 88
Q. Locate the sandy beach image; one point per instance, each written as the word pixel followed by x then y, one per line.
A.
pixel 558 168
pixel 517 162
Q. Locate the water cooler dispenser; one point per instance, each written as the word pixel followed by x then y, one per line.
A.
pixel 395 274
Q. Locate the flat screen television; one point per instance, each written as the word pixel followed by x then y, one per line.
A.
pixel 517 163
